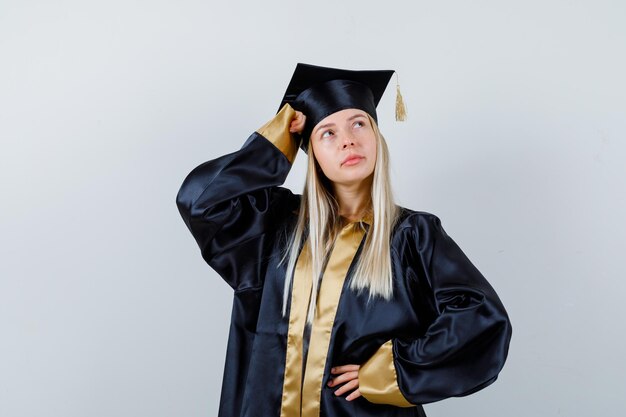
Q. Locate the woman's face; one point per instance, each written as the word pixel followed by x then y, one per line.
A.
pixel 344 145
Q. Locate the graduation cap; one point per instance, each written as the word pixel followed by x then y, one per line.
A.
pixel 320 91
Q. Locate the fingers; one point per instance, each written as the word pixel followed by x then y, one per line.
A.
pixel 348 375
pixel 355 394
pixel 298 122
pixel 344 368
pixel 348 386
pixel 300 116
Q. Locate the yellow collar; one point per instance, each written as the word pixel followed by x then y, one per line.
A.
pixel 367 219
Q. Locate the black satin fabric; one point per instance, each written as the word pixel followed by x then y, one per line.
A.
pixel 449 329
pixel 325 99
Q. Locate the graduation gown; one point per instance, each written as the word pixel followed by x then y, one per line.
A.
pixel 445 332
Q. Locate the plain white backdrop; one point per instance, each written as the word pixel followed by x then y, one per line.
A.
pixel 515 139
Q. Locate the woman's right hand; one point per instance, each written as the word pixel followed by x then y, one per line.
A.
pixel 297 124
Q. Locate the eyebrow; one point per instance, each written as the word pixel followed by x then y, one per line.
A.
pixel 323 127
pixel 333 124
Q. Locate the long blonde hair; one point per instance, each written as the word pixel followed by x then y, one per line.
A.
pixel 318 222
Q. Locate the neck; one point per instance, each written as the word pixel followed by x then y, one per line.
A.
pixel 353 199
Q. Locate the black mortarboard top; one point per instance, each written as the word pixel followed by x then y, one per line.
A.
pixel 320 91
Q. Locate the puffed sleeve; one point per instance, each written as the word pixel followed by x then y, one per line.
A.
pixel 463 348
pixel 233 204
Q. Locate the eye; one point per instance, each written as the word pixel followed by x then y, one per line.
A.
pixel 327 134
pixel 358 124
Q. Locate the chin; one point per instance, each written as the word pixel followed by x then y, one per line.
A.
pixel 351 180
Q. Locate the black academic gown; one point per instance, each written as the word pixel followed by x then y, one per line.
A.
pixel 445 333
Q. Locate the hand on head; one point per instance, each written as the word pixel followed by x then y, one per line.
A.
pixel 297 124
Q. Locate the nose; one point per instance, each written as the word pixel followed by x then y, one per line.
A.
pixel 348 141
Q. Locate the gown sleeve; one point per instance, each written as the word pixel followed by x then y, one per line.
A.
pixel 462 350
pixel 233 204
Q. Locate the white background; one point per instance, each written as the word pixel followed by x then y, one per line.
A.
pixel 515 139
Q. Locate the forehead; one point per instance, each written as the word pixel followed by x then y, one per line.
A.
pixel 341 116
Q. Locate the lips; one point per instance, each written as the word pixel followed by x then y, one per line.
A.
pixel 351 159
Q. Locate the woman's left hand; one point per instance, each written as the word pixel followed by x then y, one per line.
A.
pixel 348 375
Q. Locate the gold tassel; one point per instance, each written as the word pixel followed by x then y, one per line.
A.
pixel 400 107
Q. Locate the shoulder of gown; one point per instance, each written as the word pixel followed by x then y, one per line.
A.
pixel 466 340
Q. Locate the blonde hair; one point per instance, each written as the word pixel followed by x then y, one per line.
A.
pixel 318 223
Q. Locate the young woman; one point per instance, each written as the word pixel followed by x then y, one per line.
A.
pixel 345 304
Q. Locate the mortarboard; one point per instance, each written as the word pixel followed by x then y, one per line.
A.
pixel 320 91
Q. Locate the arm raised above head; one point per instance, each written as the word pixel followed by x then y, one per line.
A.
pixel 233 204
